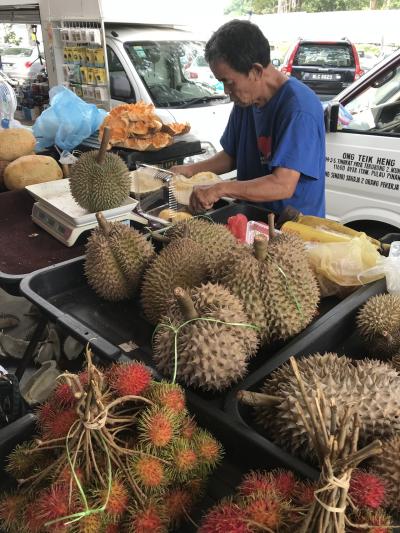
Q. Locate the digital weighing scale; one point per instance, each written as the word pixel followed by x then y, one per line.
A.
pixel 57 212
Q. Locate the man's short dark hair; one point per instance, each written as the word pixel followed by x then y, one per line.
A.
pixel 240 44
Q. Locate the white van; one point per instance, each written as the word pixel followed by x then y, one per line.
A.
pixel 160 65
pixel 363 152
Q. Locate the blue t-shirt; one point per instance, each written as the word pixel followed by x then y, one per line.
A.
pixel 287 132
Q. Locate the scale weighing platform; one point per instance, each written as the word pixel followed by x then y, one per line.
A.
pixel 57 212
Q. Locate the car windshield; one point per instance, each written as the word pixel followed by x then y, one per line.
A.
pixel 24 52
pixel 168 69
pixel 324 55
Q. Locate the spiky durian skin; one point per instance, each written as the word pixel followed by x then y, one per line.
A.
pixel 280 293
pixel 292 294
pixel 215 239
pixel 210 355
pixel 99 187
pixel 180 264
pixel 371 385
pixel 115 263
pixel 378 322
pixel 387 465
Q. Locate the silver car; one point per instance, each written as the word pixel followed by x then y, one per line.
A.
pixel 21 63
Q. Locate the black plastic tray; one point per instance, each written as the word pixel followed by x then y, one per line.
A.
pixel 336 333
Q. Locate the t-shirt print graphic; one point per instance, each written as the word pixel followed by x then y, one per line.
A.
pixel 264 146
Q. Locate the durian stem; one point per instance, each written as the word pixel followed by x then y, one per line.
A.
pixel 103 224
pixel 260 246
pixel 103 147
pixel 257 398
pixel 271 226
pixel 186 304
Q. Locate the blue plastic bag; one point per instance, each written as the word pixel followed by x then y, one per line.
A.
pixel 67 122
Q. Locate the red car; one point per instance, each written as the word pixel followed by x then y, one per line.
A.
pixel 327 67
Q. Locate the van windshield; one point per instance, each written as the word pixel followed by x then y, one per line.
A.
pixel 175 72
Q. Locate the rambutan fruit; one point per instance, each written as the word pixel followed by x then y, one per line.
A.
pixel 255 482
pixel 223 518
pixel 208 449
pixel 57 424
pixel 150 518
pixel 52 504
pixel 63 396
pixel 148 471
pixel 112 528
pixel 31 521
pixel 23 462
pixel 284 482
pixel 267 509
pixel 65 476
pixel 178 501
pixel 378 520
pixel 367 490
pixel 183 459
pixel 128 378
pixel 89 524
pixel 118 499
pixel 157 426
pixel 304 493
pixel 169 395
pixel 11 510
pixel 188 428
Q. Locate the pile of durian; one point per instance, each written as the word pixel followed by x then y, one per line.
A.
pixel 116 451
pixel 213 301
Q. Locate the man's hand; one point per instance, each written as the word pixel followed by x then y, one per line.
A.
pixel 185 170
pixel 204 197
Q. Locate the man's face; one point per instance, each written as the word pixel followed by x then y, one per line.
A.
pixel 240 87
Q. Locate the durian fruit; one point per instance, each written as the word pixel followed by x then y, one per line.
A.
pixel 277 286
pixel 99 180
pixel 116 257
pixel 180 264
pixel 387 465
pixel 210 355
pixel 378 323
pixel 371 386
pixel 216 240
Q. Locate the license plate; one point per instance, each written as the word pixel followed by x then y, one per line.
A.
pixel 321 76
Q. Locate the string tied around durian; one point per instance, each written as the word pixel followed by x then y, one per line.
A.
pixel 176 330
pixel 75 517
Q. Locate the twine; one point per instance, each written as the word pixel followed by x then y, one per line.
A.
pixel 75 517
pixel 334 482
pixel 176 330
pixel 291 293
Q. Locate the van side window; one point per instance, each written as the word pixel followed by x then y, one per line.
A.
pixel 377 109
pixel 120 87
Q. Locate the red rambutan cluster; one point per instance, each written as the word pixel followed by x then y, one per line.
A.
pixel 367 490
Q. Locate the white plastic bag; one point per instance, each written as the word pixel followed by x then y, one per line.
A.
pixel 388 267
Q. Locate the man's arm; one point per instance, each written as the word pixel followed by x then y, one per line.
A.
pixel 279 185
pixel 219 163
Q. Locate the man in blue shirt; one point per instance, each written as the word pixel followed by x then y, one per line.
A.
pixel 275 136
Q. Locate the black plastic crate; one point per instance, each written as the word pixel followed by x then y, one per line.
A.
pixel 251 211
pixel 336 333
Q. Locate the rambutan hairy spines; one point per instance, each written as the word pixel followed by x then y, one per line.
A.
pixel 58 423
pixel 183 459
pixel 118 500
pixel 178 501
pixel 379 521
pixel 255 482
pixel 284 482
pixel 169 395
pixel 148 518
pixel 53 503
pixel 128 378
pixel 149 472
pixel 224 517
pixel 268 509
pixel 63 396
pixel 89 524
pixel 188 428
pixel 11 510
pixel 21 463
pixel 367 490
pixel 304 493
pixel 208 449
pixel 157 427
